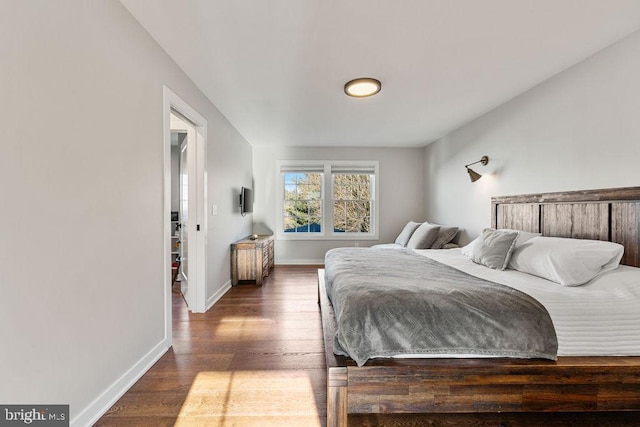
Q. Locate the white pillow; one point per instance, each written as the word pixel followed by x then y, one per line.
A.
pixel 570 262
pixel 524 236
pixel 492 249
pixel 467 250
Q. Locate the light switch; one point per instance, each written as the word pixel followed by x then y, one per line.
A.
pixel 214 209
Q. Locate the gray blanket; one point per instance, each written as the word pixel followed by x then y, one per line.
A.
pixel 390 301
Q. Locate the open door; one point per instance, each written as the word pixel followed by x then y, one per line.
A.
pixel 184 219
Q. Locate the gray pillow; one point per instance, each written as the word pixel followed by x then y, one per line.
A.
pixel 445 235
pixel 424 236
pixel 407 231
pixel 493 248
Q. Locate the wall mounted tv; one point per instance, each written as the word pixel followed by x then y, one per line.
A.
pixel 246 201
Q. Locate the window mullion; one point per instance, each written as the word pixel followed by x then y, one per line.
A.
pixel 327 198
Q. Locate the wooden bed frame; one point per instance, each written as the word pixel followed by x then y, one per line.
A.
pixel 457 386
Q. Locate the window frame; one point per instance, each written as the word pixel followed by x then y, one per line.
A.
pixel 327 224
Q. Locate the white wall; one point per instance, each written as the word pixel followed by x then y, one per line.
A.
pixel 81 246
pixel 401 193
pixel 231 157
pixel 578 130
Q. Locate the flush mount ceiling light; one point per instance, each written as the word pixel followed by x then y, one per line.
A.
pixel 363 87
pixel 473 175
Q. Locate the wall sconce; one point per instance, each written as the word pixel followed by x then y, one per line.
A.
pixel 473 174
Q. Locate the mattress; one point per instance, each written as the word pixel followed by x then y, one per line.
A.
pixel 600 318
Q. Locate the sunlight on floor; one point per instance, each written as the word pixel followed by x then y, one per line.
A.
pixel 262 398
pixel 242 328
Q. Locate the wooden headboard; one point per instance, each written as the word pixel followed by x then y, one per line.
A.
pixel 611 214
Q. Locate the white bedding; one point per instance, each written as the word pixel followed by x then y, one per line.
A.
pixel 600 318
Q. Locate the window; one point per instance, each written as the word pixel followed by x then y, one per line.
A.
pixel 352 202
pixel 327 200
pixel 302 202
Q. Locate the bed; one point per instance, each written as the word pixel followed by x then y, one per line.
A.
pixel 571 384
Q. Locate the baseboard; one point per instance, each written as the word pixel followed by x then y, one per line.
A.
pixel 300 261
pixel 90 415
pixel 96 409
pixel 216 296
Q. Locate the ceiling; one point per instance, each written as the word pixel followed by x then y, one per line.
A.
pixel 276 68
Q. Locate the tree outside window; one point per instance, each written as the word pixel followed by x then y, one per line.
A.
pixel 302 202
pixel 352 202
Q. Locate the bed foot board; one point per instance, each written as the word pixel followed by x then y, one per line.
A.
pixel 336 397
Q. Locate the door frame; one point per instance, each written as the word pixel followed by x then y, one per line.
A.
pixel 171 101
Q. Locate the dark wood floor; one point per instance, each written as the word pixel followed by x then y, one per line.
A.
pixel 256 358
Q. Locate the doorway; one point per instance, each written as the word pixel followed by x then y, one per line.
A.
pixel 183 198
pixel 178 115
pixel 178 215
